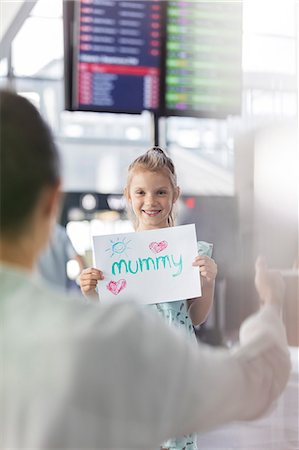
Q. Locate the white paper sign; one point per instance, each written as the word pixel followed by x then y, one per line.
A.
pixel 151 266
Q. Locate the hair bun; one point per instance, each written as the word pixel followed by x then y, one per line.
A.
pixel 157 149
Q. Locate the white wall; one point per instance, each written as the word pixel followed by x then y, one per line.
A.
pixel 276 178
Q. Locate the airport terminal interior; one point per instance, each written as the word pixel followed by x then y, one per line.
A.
pixel 220 95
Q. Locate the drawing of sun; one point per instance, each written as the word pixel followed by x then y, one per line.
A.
pixel 118 247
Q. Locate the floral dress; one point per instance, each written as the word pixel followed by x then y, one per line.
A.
pixel 176 314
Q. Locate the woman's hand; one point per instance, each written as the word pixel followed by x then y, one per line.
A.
pixel 269 284
pixel 207 267
pixel 88 281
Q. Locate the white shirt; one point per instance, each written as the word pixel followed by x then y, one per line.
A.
pixel 80 376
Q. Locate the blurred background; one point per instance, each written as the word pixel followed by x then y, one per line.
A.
pixel 233 140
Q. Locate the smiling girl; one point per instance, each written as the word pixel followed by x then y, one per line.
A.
pixel 151 192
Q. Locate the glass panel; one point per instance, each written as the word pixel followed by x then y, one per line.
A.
pixel 262 103
pixel 289 104
pixel 46 8
pixel 8 10
pixel 269 17
pixel 38 43
pixel 32 96
pixel 269 54
pixel 112 127
pixel 3 67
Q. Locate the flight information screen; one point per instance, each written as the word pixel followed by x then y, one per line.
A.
pixel 117 55
pixel 203 58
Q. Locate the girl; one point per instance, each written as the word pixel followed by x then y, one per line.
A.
pixel 151 193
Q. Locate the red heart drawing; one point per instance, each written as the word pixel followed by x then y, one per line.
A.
pixel 157 247
pixel 116 286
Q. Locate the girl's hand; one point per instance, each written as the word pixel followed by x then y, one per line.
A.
pixel 88 281
pixel 207 267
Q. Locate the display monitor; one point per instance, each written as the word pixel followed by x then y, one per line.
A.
pixel 176 57
pixel 203 58
pixel 116 55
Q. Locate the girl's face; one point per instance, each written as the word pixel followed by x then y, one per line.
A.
pixel 151 196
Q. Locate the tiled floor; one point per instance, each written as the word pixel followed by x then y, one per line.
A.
pixel 277 431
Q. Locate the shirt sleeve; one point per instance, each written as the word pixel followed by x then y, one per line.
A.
pixel 205 248
pixel 139 382
pixel 242 384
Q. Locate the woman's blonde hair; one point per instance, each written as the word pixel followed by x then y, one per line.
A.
pixel 153 160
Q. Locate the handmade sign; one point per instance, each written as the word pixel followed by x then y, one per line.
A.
pixel 151 266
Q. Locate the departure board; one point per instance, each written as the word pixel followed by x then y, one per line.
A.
pixel 203 58
pixel 118 55
pixel 175 57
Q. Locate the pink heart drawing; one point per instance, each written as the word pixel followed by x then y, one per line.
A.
pixel 157 247
pixel 116 286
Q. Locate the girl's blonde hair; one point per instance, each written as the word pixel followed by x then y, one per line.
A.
pixel 153 160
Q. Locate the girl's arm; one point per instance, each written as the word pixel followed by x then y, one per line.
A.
pixel 199 308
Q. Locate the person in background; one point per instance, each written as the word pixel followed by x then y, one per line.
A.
pixel 52 262
pixel 83 375
pixel 152 192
